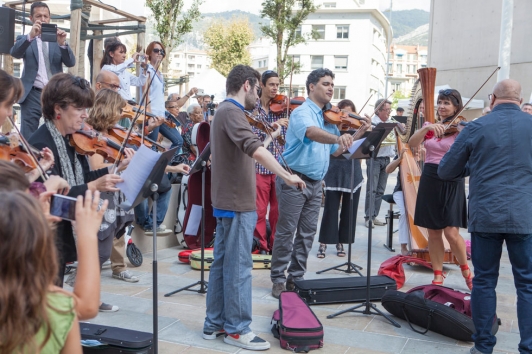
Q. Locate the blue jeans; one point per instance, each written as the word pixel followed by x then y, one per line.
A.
pixel 143 215
pixel 229 295
pixel 169 133
pixel 486 255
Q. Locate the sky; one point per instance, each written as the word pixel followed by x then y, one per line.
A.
pixel 254 6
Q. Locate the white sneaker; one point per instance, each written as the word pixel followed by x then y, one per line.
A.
pixel 378 222
pixel 249 341
pixel 126 276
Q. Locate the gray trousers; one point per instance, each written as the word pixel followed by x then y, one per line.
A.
pixel 31 112
pixel 298 212
pixel 379 185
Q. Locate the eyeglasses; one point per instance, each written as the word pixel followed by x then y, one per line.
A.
pixel 112 86
pixel 82 83
pixel 157 51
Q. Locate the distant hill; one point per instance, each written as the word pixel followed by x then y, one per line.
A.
pixel 406 21
pixel 418 36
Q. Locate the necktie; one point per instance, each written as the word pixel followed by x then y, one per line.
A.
pixel 46 56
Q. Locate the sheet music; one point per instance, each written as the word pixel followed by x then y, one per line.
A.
pixel 356 144
pixel 137 172
pixel 194 220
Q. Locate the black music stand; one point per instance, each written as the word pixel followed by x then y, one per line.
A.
pixel 350 266
pixel 199 165
pixel 149 190
pixel 368 150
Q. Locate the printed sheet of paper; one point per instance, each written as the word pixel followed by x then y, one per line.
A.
pixel 194 220
pixel 137 172
pixel 356 144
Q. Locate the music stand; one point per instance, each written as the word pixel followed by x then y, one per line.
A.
pixel 368 150
pixel 149 190
pixel 199 165
pixel 350 266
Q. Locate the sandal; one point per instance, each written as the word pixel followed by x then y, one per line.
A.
pixel 321 250
pixel 436 273
pixel 340 250
pixel 469 278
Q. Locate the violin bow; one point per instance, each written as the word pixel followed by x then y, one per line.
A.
pixel 290 88
pixel 361 109
pixel 471 99
pixel 41 170
pixel 130 130
pixel 383 102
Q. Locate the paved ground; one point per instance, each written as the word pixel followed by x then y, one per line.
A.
pixel 181 316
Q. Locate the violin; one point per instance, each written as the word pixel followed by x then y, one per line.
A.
pixel 345 120
pixel 88 141
pixel 130 111
pixel 280 104
pixel 457 124
pixel 120 133
pixel 264 126
pixel 12 150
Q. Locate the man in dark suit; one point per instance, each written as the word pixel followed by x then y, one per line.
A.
pixel 496 152
pixel 41 61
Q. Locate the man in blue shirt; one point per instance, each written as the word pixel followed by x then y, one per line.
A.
pixel 309 143
pixel 497 153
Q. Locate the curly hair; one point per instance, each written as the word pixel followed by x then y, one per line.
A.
pixel 106 110
pixel 64 90
pixel 315 76
pixel 28 267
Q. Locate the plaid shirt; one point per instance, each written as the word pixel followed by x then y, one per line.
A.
pixel 270 118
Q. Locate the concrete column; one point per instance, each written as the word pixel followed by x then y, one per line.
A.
pixel 505 43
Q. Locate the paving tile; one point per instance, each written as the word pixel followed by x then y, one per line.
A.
pixel 181 316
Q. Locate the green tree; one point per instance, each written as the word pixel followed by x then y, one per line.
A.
pixel 398 95
pixel 228 42
pixel 171 22
pixel 286 17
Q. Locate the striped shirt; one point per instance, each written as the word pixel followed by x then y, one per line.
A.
pixel 270 117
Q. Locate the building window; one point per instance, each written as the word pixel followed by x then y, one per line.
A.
pixel 411 69
pixel 296 58
pixel 16 69
pixel 329 5
pixel 298 32
pixel 399 68
pixel 340 62
pixel 320 29
pixel 399 56
pixel 190 66
pixel 316 62
pixel 191 57
pixel 198 66
pixel 339 93
pixel 342 32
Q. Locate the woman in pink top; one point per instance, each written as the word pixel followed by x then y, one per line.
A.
pixel 441 205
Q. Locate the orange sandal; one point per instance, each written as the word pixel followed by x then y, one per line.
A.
pixel 436 273
pixel 469 278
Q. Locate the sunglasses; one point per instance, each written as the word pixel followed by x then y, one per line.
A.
pixel 82 83
pixel 157 51
pixel 452 94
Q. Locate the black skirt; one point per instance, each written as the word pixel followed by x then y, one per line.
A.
pixel 440 203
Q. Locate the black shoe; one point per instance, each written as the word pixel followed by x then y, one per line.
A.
pixel 263 252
